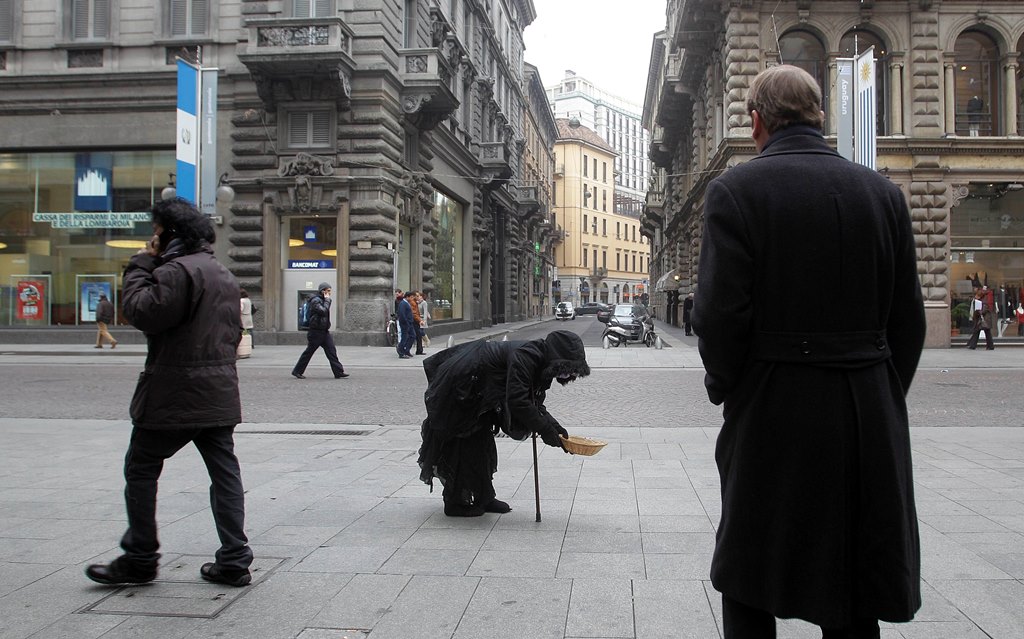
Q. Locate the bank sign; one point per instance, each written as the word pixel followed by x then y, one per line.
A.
pixel 92 220
pixel 310 264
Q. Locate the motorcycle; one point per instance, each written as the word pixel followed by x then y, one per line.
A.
pixel 619 335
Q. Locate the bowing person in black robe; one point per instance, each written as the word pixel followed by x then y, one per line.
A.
pixel 480 388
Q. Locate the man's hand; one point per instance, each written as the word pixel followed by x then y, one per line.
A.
pixel 152 246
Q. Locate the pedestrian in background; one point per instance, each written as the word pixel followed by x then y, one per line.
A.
pixel 406 326
pixel 980 325
pixel 104 317
pixel 186 302
pixel 417 319
pixel 818 516
pixel 246 309
pixel 688 314
pixel 399 296
pixel 319 334
pixel 424 307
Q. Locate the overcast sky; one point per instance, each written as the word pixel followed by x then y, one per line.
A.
pixel 606 41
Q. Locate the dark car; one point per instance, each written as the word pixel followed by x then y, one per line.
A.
pixel 630 317
pixel 591 308
pixel 605 313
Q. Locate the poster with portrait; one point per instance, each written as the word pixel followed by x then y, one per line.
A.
pixel 90 298
pixel 30 298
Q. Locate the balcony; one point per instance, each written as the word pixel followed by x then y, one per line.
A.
pixel 494 159
pixel 280 51
pixel 427 96
pixel 528 201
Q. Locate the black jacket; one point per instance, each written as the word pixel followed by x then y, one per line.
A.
pixel 188 308
pixel 818 515
pixel 319 308
pixel 105 312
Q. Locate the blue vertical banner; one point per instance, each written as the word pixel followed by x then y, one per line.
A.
pixel 844 107
pixel 94 182
pixel 864 142
pixel 208 180
pixel 188 141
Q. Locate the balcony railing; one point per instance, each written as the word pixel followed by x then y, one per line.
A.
pixel 298 35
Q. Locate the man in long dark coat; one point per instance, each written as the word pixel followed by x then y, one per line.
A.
pixel 818 517
pixel 475 390
pixel 186 302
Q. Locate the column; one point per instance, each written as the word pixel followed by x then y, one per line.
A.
pixel 949 103
pixel 832 108
pixel 1010 94
pixel 896 98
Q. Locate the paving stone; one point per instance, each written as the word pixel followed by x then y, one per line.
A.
pixel 942 558
pixel 413 561
pixel 433 605
pixel 678 566
pixel 672 609
pixel 506 539
pixel 331 633
pixel 574 565
pixel 604 523
pixel 14 576
pixel 516 608
pixel 345 559
pixel 605 507
pixel 508 563
pixel 996 607
pixel 362 602
pixel 616 542
pixel 678 542
pixel 675 523
pixel 366 536
pixel 446 539
pixel 600 608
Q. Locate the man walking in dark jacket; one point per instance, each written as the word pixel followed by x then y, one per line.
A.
pixel 319 334
pixel 186 303
pixel 818 516
pixel 104 317
pixel 406 325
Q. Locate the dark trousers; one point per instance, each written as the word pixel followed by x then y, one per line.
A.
pixel 142 466
pixel 408 339
pixel 973 341
pixel 419 340
pixel 314 340
pixel 743 622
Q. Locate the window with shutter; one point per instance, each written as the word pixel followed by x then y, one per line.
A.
pixel 199 17
pixel 322 9
pixel 309 129
pixel 312 8
pixel 6 20
pixel 90 19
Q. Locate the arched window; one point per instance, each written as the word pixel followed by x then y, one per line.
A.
pixel 857 41
pixel 803 49
pixel 977 85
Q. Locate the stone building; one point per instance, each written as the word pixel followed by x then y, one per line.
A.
pixel 949 125
pixel 369 144
pixel 603 257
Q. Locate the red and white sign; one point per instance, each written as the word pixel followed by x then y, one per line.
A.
pixel 31 295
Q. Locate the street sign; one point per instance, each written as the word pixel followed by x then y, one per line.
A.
pixel 844 115
pixel 864 114
pixel 187 142
pixel 208 180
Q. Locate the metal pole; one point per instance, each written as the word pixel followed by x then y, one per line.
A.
pixel 536 476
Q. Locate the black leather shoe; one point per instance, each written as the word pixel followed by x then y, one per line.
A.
pixel 341 376
pixel 213 572
pixel 298 376
pixel 498 506
pixel 119 572
pixel 458 510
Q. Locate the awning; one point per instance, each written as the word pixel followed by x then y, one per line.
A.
pixel 666 282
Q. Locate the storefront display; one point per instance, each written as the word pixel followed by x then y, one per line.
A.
pixel 446 299
pixel 69 216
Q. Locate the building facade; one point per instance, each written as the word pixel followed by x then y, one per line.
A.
pixel 949 125
pixel 617 121
pixel 369 144
pixel 603 256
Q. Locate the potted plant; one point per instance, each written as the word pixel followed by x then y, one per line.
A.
pixel 958 315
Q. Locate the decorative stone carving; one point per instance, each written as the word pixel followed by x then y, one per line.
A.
pixel 308 165
pixel 416 64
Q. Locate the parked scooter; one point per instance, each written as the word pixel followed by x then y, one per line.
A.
pixel 616 335
pixel 619 335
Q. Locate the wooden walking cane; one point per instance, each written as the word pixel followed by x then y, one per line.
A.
pixel 536 476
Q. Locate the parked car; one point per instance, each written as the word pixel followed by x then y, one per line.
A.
pixel 605 313
pixel 565 311
pixel 591 308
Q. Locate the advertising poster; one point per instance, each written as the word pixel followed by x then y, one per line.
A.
pixel 31 296
pixel 91 292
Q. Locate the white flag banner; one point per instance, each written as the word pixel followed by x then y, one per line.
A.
pixel 864 148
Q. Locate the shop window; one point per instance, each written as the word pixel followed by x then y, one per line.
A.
pixel 90 19
pixel 309 129
pixel 977 85
pixel 188 18
pixel 987 248
pixel 71 219
pixel 447 296
pixel 803 49
pixel 856 42
pixel 312 8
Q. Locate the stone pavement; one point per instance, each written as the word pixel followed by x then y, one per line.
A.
pixel 351 544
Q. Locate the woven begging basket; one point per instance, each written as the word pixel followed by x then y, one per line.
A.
pixel 582 445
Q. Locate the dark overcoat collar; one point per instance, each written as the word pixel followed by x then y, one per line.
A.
pixel 796 139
